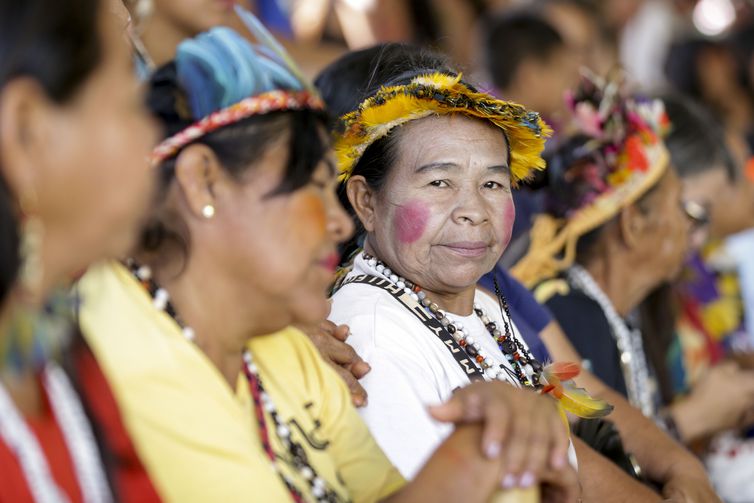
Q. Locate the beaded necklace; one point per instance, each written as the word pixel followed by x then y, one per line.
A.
pixel 78 436
pixel 632 358
pixel 526 368
pixel 262 403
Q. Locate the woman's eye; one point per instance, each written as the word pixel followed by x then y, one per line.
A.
pixel 439 183
pixel 321 184
pixel 494 185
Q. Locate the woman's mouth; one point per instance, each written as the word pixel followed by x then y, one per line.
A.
pixel 330 262
pixel 470 249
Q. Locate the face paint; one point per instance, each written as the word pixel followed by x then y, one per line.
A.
pixel 311 224
pixel 410 221
pixel 509 217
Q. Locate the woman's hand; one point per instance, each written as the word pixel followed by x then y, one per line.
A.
pixel 522 427
pixel 721 400
pixel 688 483
pixel 560 486
pixel 330 340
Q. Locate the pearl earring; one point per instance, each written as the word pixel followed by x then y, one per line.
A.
pixel 208 211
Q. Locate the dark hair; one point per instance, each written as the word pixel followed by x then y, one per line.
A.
pixel 515 37
pixel 353 77
pixel 56 43
pixel 682 64
pixel 237 146
pixel 696 141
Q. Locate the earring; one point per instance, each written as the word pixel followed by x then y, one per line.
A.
pixel 32 270
pixel 143 10
pixel 208 211
pixel 32 231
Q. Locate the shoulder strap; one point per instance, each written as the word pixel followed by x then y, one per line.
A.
pixel 464 361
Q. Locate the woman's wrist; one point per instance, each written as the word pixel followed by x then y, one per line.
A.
pixel 684 420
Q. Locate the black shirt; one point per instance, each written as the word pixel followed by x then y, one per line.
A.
pixel 586 326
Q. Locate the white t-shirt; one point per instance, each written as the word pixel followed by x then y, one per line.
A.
pixel 411 367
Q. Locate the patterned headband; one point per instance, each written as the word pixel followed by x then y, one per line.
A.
pixel 272 101
pixel 440 94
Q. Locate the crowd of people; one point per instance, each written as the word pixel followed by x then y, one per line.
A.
pixel 334 251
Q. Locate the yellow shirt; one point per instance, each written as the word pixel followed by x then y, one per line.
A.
pixel 200 440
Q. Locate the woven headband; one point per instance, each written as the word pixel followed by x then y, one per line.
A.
pixel 272 101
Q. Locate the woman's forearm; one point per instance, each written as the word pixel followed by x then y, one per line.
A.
pixel 657 453
pixel 602 481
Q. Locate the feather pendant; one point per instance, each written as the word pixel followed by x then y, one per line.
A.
pixel 557 382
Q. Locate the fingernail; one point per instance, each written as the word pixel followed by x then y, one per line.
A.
pixel 527 480
pixel 493 450
pixel 509 481
pixel 358 401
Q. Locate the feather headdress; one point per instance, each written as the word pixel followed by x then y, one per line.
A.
pixel 439 94
pixel 226 79
pixel 615 157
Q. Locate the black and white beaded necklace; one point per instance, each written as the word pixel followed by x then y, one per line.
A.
pixel 263 403
pixel 527 369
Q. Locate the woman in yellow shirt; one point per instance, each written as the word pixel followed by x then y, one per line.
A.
pixel 243 244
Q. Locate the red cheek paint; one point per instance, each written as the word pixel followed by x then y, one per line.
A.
pixel 509 216
pixel 410 221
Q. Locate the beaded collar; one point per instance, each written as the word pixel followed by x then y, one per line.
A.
pixel 526 368
pixel 262 404
pixel 639 382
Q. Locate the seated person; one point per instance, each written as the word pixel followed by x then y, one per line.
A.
pixel 242 244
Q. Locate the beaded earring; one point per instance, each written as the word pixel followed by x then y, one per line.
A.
pixel 30 248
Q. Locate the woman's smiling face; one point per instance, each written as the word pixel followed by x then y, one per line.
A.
pixel 445 214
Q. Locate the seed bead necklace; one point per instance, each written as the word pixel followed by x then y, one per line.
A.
pixel 77 434
pixel 633 360
pixel 524 365
pixel 262 403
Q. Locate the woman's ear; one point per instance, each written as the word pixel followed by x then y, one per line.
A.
pixel 632 222
pixel 197 171
pixel 362 198
pixel 25 115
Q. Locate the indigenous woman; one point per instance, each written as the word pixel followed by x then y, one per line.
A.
pixel 343 85
pixel 693 329
pixel 616 229
pixel 242 245
pixel 72 188
pixel 427 163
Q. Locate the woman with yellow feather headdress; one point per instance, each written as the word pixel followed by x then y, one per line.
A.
pixel 426 163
